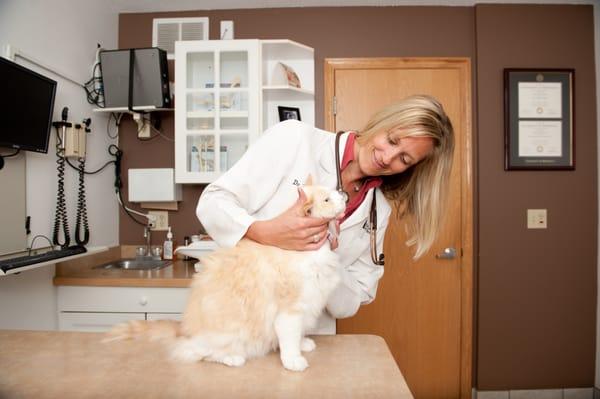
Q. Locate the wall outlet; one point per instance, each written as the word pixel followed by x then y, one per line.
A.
pixel 162 220
pixel 144 130
pixel 537 218
pixel 143 126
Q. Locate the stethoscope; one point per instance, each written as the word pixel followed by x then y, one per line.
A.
pixel 378 260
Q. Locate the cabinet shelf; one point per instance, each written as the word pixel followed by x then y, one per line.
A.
pixel 284 48
pixel 221 90
pixel 289 89
pixel 141 108
pixel 212 114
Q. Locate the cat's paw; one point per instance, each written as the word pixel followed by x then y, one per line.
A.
pixel 307 345
pixel 234 361
pixel 184 353
pixel 294 363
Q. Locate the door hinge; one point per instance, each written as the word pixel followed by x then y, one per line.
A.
pixel 334 105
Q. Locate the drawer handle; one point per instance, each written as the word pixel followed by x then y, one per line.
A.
pixel 144 301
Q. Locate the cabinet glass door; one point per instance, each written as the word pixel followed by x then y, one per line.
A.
pixel 200 91
pixel 233 90
pixel 220 100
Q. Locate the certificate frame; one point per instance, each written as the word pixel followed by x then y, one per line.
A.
pixel 539 119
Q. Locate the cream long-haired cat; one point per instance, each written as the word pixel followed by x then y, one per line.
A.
pixel 253 298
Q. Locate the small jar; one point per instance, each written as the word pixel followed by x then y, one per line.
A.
pixel 140 251
pixel 156 251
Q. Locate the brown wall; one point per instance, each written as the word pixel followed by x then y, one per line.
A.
pixel 365 32
pixel 536 309
pixel 537 288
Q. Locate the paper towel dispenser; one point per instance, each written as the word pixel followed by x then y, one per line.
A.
pixel 153 185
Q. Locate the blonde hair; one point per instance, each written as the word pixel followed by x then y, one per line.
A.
pixel 420 192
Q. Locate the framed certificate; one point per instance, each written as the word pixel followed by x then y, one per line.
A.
pixel 538 119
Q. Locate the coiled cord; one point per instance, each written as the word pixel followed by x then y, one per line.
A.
pixel 60 218
pixel 81 208
pixel 118 154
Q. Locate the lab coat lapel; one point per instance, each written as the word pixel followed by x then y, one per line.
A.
pixel 327 164
pixel 327 161
pixel 361 213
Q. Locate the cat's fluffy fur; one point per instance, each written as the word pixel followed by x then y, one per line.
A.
pixel 253 298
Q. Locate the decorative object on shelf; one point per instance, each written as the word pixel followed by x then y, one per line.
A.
pixel 538 119
pixel 231 100
pixel 286 113
pixel 285 74
pixel 194 159
pixel 207 159
pixel 203 102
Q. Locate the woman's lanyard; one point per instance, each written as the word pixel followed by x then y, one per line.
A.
pixel 378 260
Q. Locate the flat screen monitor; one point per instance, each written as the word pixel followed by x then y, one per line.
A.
pixel 26 106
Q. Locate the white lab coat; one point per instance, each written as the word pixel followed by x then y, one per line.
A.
pixel 263 184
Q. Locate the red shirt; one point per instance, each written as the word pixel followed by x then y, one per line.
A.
pixel 369 182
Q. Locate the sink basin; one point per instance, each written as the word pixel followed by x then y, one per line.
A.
pixel 135 264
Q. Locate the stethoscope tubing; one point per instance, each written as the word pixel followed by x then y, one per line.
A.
pixel 378 260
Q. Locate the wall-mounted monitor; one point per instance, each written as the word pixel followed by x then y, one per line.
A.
pixel 26 105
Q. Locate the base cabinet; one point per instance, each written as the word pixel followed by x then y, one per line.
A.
pixel 97 309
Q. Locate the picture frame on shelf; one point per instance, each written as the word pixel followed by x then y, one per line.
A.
pixel 539 131
pixel 286 113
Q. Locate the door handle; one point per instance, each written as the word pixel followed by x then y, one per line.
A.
pixel 448 253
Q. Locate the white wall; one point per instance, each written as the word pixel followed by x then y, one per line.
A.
pixel 62 34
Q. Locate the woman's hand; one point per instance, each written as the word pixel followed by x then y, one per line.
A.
pixel 292 229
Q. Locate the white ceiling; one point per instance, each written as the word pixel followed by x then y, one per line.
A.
pixel 182 5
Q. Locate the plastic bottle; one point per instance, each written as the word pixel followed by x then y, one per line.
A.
pixel 168 246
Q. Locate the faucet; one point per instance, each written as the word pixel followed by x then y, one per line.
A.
pixel 147 236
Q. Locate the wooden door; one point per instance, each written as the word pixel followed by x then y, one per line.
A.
pixel 423 309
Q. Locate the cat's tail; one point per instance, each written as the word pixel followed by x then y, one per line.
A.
pixel 153 330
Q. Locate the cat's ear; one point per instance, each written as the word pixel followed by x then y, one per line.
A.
pixel 307 207
pixel 309 180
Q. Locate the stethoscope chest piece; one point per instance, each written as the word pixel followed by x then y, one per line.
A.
pixel 344 195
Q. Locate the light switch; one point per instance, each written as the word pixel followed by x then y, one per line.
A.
pixel 537 218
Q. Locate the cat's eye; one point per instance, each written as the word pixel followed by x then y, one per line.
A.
pixel 326 199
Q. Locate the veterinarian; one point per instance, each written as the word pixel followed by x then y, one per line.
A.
pixel 402 156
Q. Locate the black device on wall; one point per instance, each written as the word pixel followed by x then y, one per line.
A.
pixel 150 83
pixel 27 104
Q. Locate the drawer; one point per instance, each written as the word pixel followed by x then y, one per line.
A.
pixel 164 316
pixel 122 299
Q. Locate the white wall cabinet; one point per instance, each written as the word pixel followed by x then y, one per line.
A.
pixel 226 93
pixel 97 309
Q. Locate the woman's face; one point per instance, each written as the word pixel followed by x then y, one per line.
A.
pixel 386 153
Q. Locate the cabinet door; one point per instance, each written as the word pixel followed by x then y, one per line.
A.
pixel 122 299
pixel 93 322
pixel 216 106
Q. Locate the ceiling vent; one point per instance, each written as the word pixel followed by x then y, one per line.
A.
pixel 166 31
